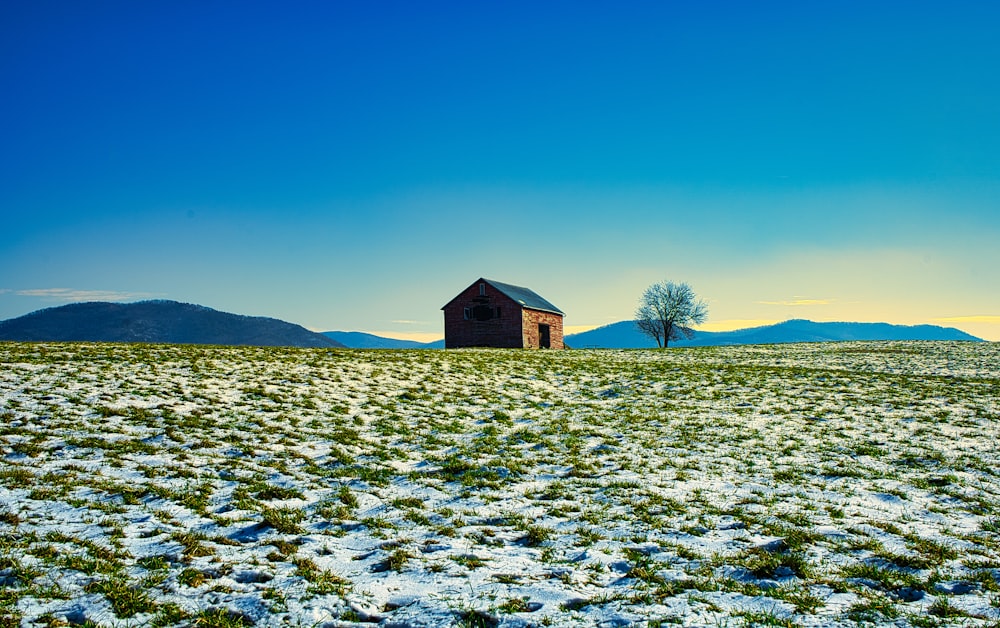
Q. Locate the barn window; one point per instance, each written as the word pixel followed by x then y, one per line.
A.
pixel 498 312
pixel 482 290
pixel 467 314
pixel 482 312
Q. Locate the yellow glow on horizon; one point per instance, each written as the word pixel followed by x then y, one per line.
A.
pixel 991 320
pixel 986 327
pixel 578 329
pixel 416 336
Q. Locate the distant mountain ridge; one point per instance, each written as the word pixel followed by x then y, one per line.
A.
pixel 157 322
pixel 362 340
pixel 625 335
pixel 184 323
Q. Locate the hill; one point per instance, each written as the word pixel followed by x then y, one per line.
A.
pixel 624 335
pixel 157 322
pixel 361 340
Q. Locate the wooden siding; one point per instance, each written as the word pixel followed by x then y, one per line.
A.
pixel 516 327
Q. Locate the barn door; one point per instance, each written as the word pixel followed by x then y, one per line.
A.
pixel 543 336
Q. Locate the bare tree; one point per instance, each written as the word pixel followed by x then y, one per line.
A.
pixel 667 310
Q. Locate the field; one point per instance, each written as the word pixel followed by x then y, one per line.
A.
pixel 792 485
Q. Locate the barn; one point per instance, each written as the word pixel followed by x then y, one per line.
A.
pixel 493 314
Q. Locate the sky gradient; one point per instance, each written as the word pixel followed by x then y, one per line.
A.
pixel 353 166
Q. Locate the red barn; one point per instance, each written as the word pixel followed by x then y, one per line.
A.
pixel 493 314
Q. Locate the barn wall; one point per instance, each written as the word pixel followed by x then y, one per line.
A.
pixel 504 332
pixel 529 328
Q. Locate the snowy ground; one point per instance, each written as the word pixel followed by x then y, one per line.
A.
pixel 794 485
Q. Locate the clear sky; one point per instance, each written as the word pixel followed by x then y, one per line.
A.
pixel 354 165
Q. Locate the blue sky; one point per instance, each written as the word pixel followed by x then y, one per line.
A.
pixel 354 165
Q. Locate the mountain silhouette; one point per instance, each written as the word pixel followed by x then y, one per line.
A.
pixel 184 323
pixel 157 322
pixel 625 335
pixel 362 340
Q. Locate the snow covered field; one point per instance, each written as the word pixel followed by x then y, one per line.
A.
pixel 790 485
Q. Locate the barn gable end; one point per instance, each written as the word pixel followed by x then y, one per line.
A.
pixel 494 314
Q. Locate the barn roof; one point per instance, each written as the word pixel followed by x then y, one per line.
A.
pixel 527 298
pixel 523 296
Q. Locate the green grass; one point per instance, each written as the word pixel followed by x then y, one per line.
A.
pixel 452 462
pixel 126 599
pixel 284 520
